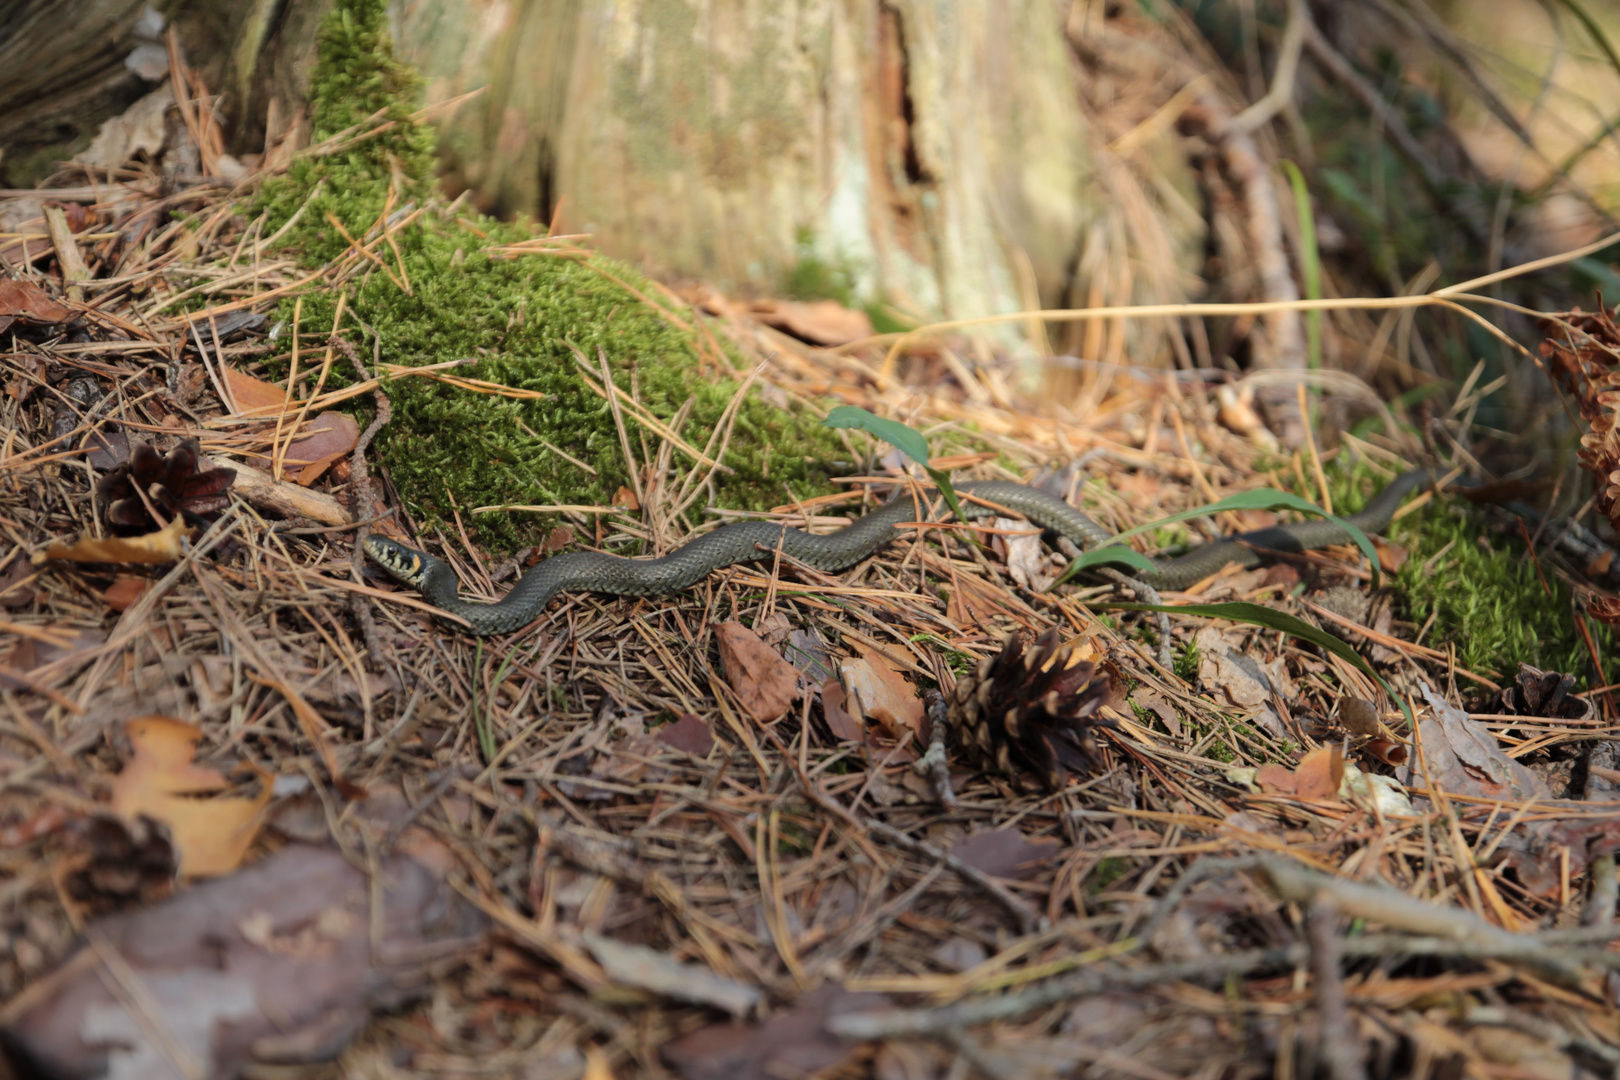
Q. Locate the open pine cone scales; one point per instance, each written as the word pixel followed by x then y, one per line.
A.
pixel 1032 708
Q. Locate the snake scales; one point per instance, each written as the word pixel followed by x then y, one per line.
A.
pixel 747 541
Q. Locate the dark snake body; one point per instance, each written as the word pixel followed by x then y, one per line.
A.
pixel 750 541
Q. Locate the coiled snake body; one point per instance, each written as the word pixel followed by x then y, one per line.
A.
pixel 748 541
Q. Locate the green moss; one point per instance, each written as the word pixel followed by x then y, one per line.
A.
pixel 1488 599
pixel 1484 591
pixel 813 278
pixel 1108 871
pixel 1187 662
pixel 448 448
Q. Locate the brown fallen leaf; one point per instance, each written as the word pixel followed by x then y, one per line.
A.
pixel 29 378
pixel 108 449
pixel 254 396
pixel 330 438
pixel 1274 779
pixel 164 546
pixel 558 538
pixel 843 726
pixel 689 734
pixel 1245 681
pixel 793 1042
pixel 1317 776
pixel 280 963
pixel 765 683
pixel 1319 773
pixel 820 322
pixel 1005 853
pixel 124 591
pixel 139 129
pixel 1152 701
pixel 886 695
pixel 1391 557
pixel 1020 545
pixel 23 301
pixel 210 836
pixel 1464 758
pixel 805 651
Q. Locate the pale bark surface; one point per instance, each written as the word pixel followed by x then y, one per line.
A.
pixel 937 156
pixel 935 150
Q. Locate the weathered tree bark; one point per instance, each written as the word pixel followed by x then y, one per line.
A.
pixel 62 70
pixel 930 154
pixel 934 151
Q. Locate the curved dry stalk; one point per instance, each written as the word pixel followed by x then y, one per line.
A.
pixel 1463 290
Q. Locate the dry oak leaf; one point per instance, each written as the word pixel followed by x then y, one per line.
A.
pixel 329 438
pixel 164 546
pixel 1319 773
pixel 820 322
pixel 124 591
pixel 1317 776
pixel 254 396
pixel 843 726
pixel 210 836
pixel 28 302
pixel 765 683
pixel 886 695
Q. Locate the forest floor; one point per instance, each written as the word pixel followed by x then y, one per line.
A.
pixel 245 779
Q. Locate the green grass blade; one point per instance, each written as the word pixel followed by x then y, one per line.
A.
pixel 1111 553
pixel 1258 499
pixel 1265 499
pixel 909 441
pixel 1310 262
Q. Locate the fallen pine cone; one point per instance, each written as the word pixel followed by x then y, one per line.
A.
pixel 1033 708
pixel 171 483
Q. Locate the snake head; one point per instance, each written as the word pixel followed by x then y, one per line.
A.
pixel 406 564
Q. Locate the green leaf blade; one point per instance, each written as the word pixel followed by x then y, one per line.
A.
pixel 908 441
pixel 1265 499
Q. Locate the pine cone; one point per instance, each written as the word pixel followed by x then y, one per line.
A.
pixel 1032 709
pixel 172 483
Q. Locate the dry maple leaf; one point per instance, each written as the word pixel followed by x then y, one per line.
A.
pixel 170 483
pixel 1034 708
pixel 210 836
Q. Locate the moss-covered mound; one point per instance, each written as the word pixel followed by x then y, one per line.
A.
pixel 1484 593
pixel 449 448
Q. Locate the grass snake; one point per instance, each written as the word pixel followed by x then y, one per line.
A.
pixel 748 541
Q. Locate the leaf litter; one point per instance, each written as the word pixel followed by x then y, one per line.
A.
pixel 662 835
